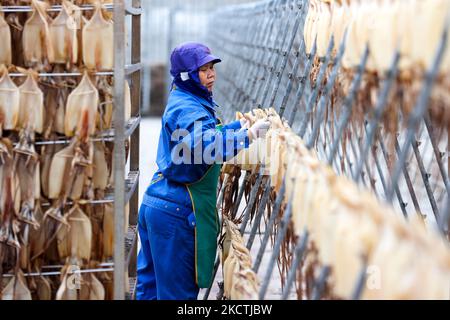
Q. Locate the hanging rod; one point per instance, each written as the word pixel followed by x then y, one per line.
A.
pixel 62 74
pixel 130 10
pixel 59 266
pixel 129 69
pixel 55 8
pixel 131 183
pixel 57 273
pixel 108 135
pixel 132 68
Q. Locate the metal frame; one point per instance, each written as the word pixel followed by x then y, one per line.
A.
pixel 125 262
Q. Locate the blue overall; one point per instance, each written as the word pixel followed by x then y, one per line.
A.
pixel 166 260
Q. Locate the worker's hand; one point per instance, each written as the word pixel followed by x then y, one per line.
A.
pixel 245 124
pixel 258 129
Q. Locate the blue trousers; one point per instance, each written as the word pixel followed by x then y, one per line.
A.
pixel 166 260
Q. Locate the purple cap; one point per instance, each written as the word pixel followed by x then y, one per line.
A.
pixel 189 57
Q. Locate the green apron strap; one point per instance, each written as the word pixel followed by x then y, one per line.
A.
pixel 204 198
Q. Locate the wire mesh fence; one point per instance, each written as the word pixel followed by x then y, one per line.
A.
pixel 387 134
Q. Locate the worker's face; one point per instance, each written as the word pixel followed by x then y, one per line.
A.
pixel 207 75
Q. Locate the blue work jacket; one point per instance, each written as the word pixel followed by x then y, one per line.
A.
pixel 195 117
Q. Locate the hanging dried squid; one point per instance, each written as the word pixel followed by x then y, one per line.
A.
pixel 347 228
pixel 31 114
pixel 83 100
pixel 36 41
pixel 5 35
pixel 16 289
pixel 63 34
pixel 9 101
pixel 240 281
pixel 98 42
pixel 9 200
pixel 74 240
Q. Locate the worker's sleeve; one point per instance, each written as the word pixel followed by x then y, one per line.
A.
pixel 235 125
pixel 197 144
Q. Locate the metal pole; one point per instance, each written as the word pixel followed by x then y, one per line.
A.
pixel 436 151
pixel 286 53
pixel 379 110
pixel 303 80
pixel 316 87
pixel 269 226
pixel 359 287
pixel 259 214
pixel 348 104
pixel 276 249
pixel 251 203
pixel 320 284
pixel 277 53
pixel 418 113
pixel 299 251
pixel 268 48
pixel 240 194
pixel 119 150
pixel 326 94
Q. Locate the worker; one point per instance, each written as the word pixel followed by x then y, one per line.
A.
pixel 178 221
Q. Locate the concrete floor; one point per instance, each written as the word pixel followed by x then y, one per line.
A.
pixel 149 131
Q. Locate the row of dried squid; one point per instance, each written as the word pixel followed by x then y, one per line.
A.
pixel 73 38
pixel 413 27
pixel 47 218
pixel 69 230
pixel 240 281
pixel 348 226
pixel 54 106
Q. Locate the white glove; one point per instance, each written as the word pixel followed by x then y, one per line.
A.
pixel 258 129
pixel 245 124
